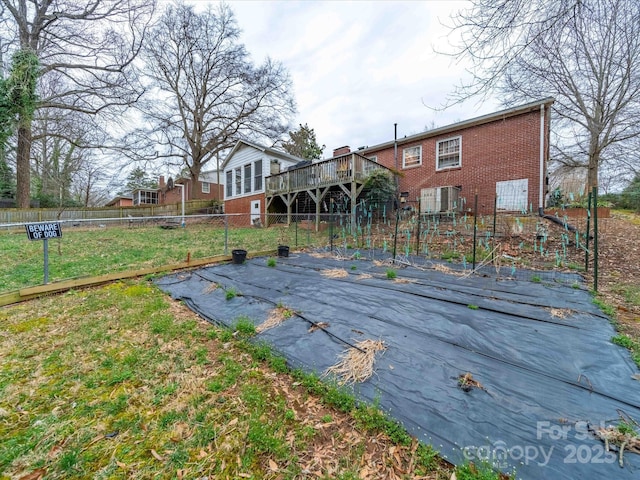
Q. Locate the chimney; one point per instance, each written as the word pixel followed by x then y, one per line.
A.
pixel 341 151
pixel 161 182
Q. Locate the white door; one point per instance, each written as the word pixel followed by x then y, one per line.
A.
pixel 255 211
pixel 512 194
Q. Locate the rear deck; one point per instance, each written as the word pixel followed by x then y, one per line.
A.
pixel 346 173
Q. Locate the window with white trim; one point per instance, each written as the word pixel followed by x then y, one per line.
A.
pixel 238 181
pixel 412 156
pixel 247 178
pixel 448 153
pixel 206 187
pixel 257 175
pixel 229 185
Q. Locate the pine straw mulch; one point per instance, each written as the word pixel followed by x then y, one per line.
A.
pixel 276 316
pixel 561 313
pixel 623 441
pixel 356 364
pixel 466 382
pixel 335 273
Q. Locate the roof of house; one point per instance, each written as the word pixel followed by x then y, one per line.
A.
pixel 271 151
pixel 117 199
pixel 491 117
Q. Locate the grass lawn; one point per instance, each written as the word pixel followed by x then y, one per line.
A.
pixel 118 381
pixel 98 251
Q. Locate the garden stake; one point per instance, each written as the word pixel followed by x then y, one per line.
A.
pixel 586 248
pixel 595 239
pixel 475 229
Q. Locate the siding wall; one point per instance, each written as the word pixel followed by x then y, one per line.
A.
pixel 243 156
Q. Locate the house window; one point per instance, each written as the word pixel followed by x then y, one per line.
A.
pixel 238 181
pixel 229 182
pixel 448 153
pixel 206 187
pixel 247 178
pixel 257 172
pixel 412 157
pixel 147 197
pixel 368 167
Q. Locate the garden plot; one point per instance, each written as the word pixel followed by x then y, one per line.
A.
pixel 520 373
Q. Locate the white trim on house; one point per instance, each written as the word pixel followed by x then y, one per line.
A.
pixel 449 153
pixel 243 159
pixel 418 162
pixel 436 132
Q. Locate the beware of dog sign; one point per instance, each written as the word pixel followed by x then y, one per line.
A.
pixel 42 231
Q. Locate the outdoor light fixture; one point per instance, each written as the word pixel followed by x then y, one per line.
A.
pixel 403 197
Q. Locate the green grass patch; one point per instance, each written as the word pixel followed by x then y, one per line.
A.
pixel 630 293
pixel 113 384
pixel 608 310
pixel 630 344
pixel 90 251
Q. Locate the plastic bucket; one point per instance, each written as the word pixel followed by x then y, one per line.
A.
pixel 238 256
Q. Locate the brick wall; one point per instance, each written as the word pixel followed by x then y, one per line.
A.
pixel 216 192
pixel 243 205
pixel 505 149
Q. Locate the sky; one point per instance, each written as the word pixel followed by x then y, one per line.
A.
pixel 358 67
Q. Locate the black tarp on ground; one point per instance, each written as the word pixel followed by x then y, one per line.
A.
pixel 542 352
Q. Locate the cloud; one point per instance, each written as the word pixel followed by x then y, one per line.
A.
pixel 360 67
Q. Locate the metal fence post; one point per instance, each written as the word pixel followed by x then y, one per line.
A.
pixel 595 239
pixel 475 228
pixel 586 246
pixel 493 238
pixel 395 236
pixel 331 224
pixel 226 235
pixel 418 229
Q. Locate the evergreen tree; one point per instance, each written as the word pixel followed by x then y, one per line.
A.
pixel 302 143
pixel 7 179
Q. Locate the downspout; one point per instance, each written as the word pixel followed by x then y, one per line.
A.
pixel 395 157
pixel 542 149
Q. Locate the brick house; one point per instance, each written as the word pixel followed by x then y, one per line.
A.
pixel 502 154
pixel 244 171
pixel 120 202
pixel 208 187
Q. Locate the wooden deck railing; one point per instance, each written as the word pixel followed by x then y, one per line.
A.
pixel 325 173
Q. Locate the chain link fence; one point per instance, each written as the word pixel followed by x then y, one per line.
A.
pixel 522 244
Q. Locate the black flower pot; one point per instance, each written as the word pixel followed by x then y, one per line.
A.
pixel 283 250
pixel 238 256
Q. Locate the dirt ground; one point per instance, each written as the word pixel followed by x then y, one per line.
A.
pixel 619 267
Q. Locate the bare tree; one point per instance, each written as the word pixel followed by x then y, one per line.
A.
pixel 585 53
pixel 91 44
pixel 208 93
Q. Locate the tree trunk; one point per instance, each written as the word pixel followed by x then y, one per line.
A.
pixel 195 169
pixel 23 167
pixel 592 170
